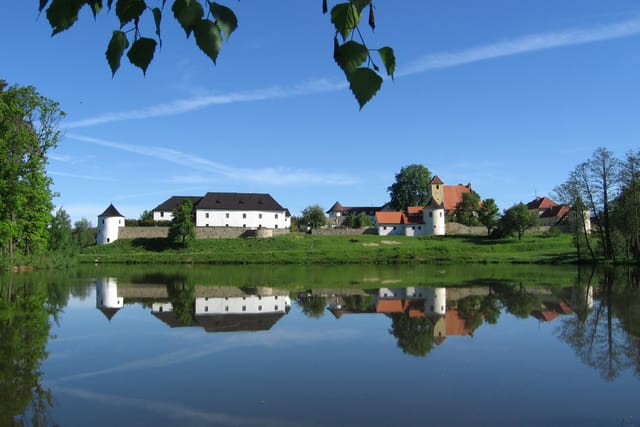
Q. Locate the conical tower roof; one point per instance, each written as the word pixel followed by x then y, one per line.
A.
pixel 111 211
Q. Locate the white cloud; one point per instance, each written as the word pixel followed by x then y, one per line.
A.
pixel 521 45
pixel 516 46
pixel 272 176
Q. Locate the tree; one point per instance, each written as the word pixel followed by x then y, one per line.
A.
pixel 313 216
pixel 414 335
pixel 146 218
pixel 411 187
pixel 626 207
pixel 467 210
pixel 182 228
pixel 84 234
pixel 518 219
pixel 211 23
pixel 28 129
pixel 313 305
pixel 60 231
pixel 489 215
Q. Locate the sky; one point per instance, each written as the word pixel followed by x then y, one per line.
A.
pixel 506 95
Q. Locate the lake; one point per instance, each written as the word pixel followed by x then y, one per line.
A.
pixel 321 346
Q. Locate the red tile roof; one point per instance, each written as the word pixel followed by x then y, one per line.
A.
pixel 389 217
pixel 453 195
pixel 389 306
pixel 436 180
pixel 415 209
pixel 541 203
pixel 557 211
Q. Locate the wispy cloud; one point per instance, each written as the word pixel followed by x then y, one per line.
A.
pixel 84 177
pixel 175 410
pixel 272 176
pixel 521 45
pixel 509 47
pixel 181 106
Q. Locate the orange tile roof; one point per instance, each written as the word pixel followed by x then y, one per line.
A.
pixel 455 324
pixel 389 217
pixel 415 210
pixel 557 211
pixel 453 195
pixel 389 306
pixel 541 203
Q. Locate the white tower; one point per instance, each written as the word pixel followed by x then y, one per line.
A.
pixel 433 218
pixel 107 300
pixel 108 223
pixel 436 301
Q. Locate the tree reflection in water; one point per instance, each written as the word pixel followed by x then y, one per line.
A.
pixel 605 337
pixel 24 330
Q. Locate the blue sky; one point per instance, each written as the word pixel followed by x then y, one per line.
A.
pixel 506 95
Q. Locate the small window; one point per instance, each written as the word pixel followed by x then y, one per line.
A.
pixel 226 225
pixel 206 225
pixel 259 308
pixel 276 225
pixel 161 214
pixel 244 308
pixel 260 216
pixel 430 214
pixel 244 215
pixel 440 214
pixel 226 308
pixel 206 215
pixel 384 228
pixel 226 215
pixel 276 216
pixel 244 225
pixel 206 308
pixel 275 308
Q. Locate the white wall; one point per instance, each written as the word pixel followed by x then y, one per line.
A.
pixel 162 215
pixel 245 219
pixel 251 304
pixel 108 229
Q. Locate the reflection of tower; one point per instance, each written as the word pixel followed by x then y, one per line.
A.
pixel 435 307
pixel 107 300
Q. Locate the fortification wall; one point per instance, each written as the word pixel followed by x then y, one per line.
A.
pixel 201 232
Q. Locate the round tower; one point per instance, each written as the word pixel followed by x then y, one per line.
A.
pixel 108 223
pixel 107 300
pixel 433 218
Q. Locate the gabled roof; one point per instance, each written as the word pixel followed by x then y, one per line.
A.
pixel 173 202
pixel 557 211
pixel 453 195
pixel 337 207
pixel 436 180
pixel 415 210
pixel 389 217
pixel 111 211
pixel 541 203
pixel 239 201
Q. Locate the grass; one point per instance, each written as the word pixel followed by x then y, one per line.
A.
pixel 361 249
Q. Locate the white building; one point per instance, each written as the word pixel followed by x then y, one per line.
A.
pixel 241 210
pixel 108 223
pixel 417 221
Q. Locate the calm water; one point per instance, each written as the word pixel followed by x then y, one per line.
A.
pixel 384 347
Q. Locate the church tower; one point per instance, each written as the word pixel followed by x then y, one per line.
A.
pixel 436 189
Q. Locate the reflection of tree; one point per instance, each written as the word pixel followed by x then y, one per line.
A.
pixel 414 334
pixel 606 340
pixel 517 300
pixel 313 305
pixel 182 296
pixel 24 329
pixel 476 309
pixel 360 303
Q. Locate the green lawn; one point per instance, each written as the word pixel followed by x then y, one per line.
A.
pixel 361 249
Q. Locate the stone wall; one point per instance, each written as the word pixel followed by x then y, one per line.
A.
pixel 343 231
pixel 201 232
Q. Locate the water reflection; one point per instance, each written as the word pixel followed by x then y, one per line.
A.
pixel 598 319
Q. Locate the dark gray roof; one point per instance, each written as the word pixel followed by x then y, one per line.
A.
pixel 239 201
pixel 111 211
pixel 173 202
pixel 238 322
pixel 434 205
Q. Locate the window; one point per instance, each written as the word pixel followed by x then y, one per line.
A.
pixel 430 214
pixel 206 215
pixel 259 308
pixel 384 228
pixel 226 215
pixel 244 225
pixel 260 216
pixel 226 225
pixel 276 216
pixel 275 308
pixel 206 308
pixel 440 214
pixel 276 225
pixel 161 214
pixel 226 308
pixel 244 215
pixel 244 308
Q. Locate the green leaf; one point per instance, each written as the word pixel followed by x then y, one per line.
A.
pixel 62 14
pixel 350 56
pixel 208 38
pixel 345 17
pixel 141 53
pixel 360 4
pixel 388 59
pixel 95 5
pixel 188 13
pixel 129 10
pixel 116 48
pixel 157 18
pixel 364 84
pixel 225 18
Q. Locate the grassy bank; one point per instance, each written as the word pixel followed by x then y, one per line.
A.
pixel 363 249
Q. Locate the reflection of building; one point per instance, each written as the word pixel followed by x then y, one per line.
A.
pixel 550 308
pixel 107 299
pixel 238 312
